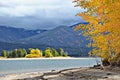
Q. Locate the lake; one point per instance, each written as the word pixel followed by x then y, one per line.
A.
pixel 32 65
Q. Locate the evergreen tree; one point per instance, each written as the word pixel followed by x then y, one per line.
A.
pixel 4 53
pixel 48 52
pixel 14 53
pixel 21 52
pixel 61 52
pixel 9 54
pixel 24 52
pixel 54 52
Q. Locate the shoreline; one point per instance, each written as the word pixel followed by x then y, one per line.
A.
pixel 83 73
pixel 46 58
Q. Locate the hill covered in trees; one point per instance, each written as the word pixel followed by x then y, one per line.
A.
pixel 62 36
pixel 10 34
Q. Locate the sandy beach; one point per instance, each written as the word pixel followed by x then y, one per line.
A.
pixel 86 73
pixel 45 58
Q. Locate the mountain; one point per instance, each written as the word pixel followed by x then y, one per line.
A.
pixel 61 36
pixel 10 34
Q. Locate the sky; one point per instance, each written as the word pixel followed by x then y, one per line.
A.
pixel 38 14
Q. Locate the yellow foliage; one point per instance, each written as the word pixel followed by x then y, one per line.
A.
pixel 104 28
pixel 34 53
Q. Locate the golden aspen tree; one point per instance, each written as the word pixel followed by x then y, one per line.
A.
pixel 34 53
pixel 103 29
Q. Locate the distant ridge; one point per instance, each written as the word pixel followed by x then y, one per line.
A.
pixel 10 34
pixel 60 36
pixel 79 24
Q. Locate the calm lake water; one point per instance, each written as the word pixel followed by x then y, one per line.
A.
pixel 19 66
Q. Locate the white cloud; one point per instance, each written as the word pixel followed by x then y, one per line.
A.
pixel 47 10
pixel 34 2
pixel 28 7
